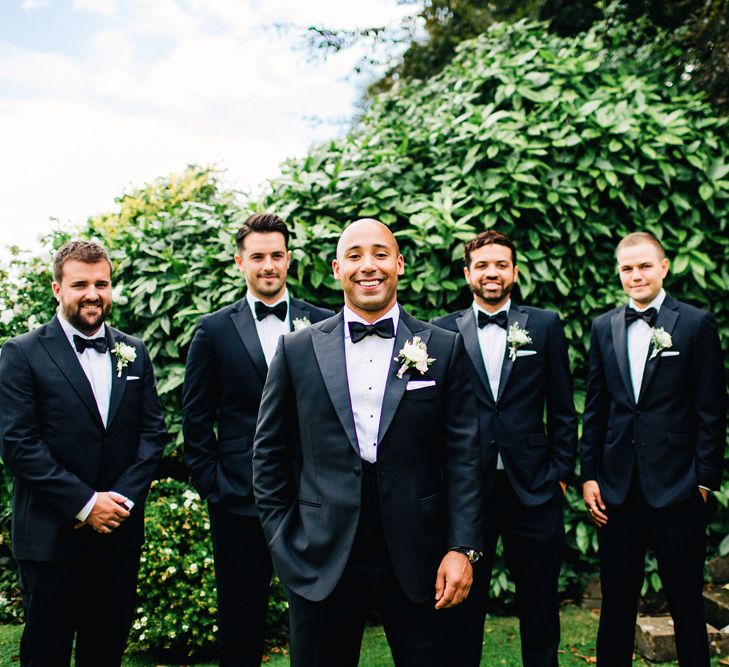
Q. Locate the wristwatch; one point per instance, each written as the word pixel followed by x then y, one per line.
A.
pixel 472 554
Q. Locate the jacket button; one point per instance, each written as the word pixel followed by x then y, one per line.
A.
pixel 357 470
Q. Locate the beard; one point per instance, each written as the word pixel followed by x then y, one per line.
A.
pixel 491 296
pixel 268 289
pixel 73 314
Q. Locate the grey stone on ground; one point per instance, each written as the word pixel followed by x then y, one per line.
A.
pixel 719 569
pixel 654 638
pixel 716 605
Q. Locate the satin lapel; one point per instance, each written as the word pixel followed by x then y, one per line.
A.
pixel 329 350
pixel 296 313
pixel 64 356
pixel 118 384
pixel 467 326
pixel 667 317
pixel 620 345
pixel 395 386
pixel 520 317
pixel 246 328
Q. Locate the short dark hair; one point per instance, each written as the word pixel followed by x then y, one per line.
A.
pixel 489 237
pixel 88 252
pixel 264 223
pixel 641 237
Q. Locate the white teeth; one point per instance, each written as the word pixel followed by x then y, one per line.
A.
pixel 369 283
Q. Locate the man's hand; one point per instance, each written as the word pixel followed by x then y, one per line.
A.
pixel 107 513
pixel 453 581
pixel 704 493
pixel 593 501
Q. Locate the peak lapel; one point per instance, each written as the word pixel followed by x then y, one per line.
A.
pixel 246 328
pixel 118 383
pixel 329 351
pixel 59 349
pixel 666 320
pixel 520 317
pixel 620 346
pixel 467 326
pixel 395 388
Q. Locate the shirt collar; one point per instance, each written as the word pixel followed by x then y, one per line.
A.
pixel 656 303
pixel 253 299
pixel 351 316
pixel 72 331
pixel 505 308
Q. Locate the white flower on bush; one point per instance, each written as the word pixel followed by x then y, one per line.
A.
pixel 7 316
pixel 661 340
pixel 414 354
pixel 173 506
pixel 118 296
pixel 193 568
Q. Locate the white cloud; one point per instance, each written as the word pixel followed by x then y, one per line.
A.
pixel 33 5
pixel 105 7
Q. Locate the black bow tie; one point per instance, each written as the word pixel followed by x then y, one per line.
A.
pixel 500 319
pixel 99 344
pixel 648 316
pixel 279 310
pixel 383 329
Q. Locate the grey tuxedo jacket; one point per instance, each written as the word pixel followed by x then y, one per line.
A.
pixel 224 377
pixel 307 471
pixel 55 444
pixel 673 433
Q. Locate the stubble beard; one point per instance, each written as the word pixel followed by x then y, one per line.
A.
pixel 72 314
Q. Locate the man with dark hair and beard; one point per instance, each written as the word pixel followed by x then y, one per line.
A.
pixel 528 435
pixel 81 431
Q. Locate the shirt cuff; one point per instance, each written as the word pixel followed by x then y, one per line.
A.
pixel 706 488
pixel 129 504
pixel 86 509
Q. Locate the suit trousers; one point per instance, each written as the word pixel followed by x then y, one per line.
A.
pixel 329 633
pixel 532 539
pixel 677 535
pixel 92 597
pixel 242 578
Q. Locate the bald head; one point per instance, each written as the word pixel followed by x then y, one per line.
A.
pixel 364 228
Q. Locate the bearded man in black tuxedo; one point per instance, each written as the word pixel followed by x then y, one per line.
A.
pixel 652 448
pixel 81 431
pixel 365 467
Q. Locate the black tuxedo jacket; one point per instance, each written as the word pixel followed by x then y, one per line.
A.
pixel 530 387
pixel 224 378
pixel 55 444
pixel 307 473
pixel 674 432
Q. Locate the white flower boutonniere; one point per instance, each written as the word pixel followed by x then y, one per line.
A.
pixel 124 355
pixel 301 323
pixel 661 340
pixel 414 354
pixel 517 337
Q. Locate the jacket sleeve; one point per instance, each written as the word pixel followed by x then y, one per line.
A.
pixel 200 401
pixel 135 481
pixel 561 417
pixel 597 407
pixel 24 452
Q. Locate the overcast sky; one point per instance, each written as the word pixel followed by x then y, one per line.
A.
pixel 100 95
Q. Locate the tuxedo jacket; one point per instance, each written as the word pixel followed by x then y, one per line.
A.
pixel 224 378
pixel 536 453
pixel 674 431
pixel 307 471
pixel 54 442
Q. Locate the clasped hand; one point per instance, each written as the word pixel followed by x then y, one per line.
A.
pixel 107 514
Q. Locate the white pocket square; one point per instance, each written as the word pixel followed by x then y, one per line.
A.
pixel 525 353
pixel 419 384
pixel 132 377
pixel 670 353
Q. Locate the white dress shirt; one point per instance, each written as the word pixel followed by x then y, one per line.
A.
pixel 368 365
pixel 270 328
pixel 639 341
pixel 97 368
pixel 492 341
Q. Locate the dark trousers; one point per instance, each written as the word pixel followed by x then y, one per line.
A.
pixel 532 539
pixel 92 598
pixel 677 535
pixel 242 578
pixel 329 633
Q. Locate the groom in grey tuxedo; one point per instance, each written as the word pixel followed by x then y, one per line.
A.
pixel 366 467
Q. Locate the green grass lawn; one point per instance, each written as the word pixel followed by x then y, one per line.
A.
pixel 501 645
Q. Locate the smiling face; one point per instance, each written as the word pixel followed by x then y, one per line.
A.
pixel 84 294
pixel 491 275
pixel 264 261
pixel 368 264
pixel 642 269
